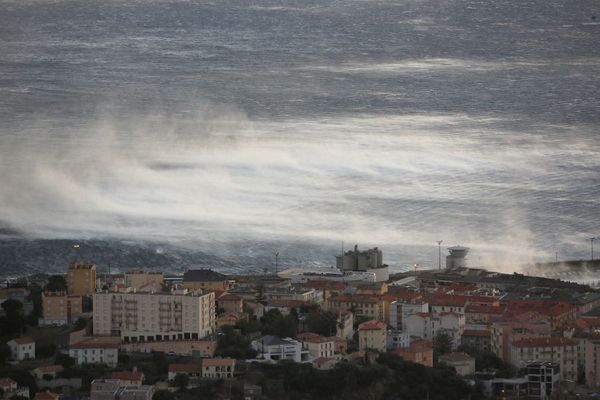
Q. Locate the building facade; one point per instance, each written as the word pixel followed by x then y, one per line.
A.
pixel 81 279
pixel 58 308
pixel 22 348
pixel 137 317
pixel 372 335
pixel 137 279
pixel 96 350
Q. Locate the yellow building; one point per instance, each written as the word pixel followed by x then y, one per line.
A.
pixel 205 279
pixel 81 279
pixel 137 279
pixel 60 309
pixel 372 335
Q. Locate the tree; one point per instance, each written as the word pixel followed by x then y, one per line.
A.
pixel 442 343
pixel 45 350
pixel 35 296
pixel 13 321
pixel 163 394
pixel 64 360
pixel 181 381
pixel 322 322
pixel 276 324
pixel 56 283
pixel 80 324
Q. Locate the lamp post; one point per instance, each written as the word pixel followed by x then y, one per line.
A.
pixel 439 242
pixel 276 254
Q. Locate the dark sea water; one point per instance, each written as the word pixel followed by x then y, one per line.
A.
pixel 240 127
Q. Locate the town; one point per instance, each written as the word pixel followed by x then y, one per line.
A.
pixel 356 331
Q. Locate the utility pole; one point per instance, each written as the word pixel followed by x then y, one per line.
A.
pixel 276 261
pixel 439 242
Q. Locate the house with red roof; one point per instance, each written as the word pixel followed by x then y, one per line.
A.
pixel 129 378
pixel 193 370
pixel 22 348
pixel 218 368
pixel 372 335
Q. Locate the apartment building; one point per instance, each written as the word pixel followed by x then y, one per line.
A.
pixel 504 332
pixel 372 335
pixel 317 345
pixel 115 389
pixel 96 350
pixel 560 350
pixel 422 325
pixel 419 351
pixel 402 309
pixel 138 317
pixel 273 348
pixel 362 306
pixel 81 279
pixel 138 279
pixel 58 308
pixel 218 368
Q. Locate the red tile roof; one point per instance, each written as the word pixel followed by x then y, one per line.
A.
pixel 218 362
pixel 476 333
pixel 23 340
pixel 99 342
pixel 46 395
pixel 372 325
pixel 312 338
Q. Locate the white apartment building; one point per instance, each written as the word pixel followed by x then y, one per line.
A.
pixel 218 368
pixel 400 310
pixel 273 348
pixel 453 324
pixel 317 345
pixel 137 317
pixel 397 339
pixel 96 350
pixel 422 325
pixel 21 348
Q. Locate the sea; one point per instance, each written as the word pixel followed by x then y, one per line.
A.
pixel 246 128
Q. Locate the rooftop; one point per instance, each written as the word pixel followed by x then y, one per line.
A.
pixel 372 325
pixel 23 340
pixel 218 362
pixel 99 342
pixel 203 275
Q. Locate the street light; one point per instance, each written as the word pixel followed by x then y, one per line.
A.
pixel 276 254
pixel 592 244
pixel 439 242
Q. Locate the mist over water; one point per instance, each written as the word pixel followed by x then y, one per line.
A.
pixel 239 127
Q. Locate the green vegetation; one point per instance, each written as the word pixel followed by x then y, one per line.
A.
pixel 232 344
pixel 13 321
pixel 56 283
pixel 321 322
pixel 442 344
pixel 486 360
pixel 276 324
pixel 45 350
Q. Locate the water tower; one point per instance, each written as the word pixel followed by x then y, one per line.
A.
pixel 457 257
